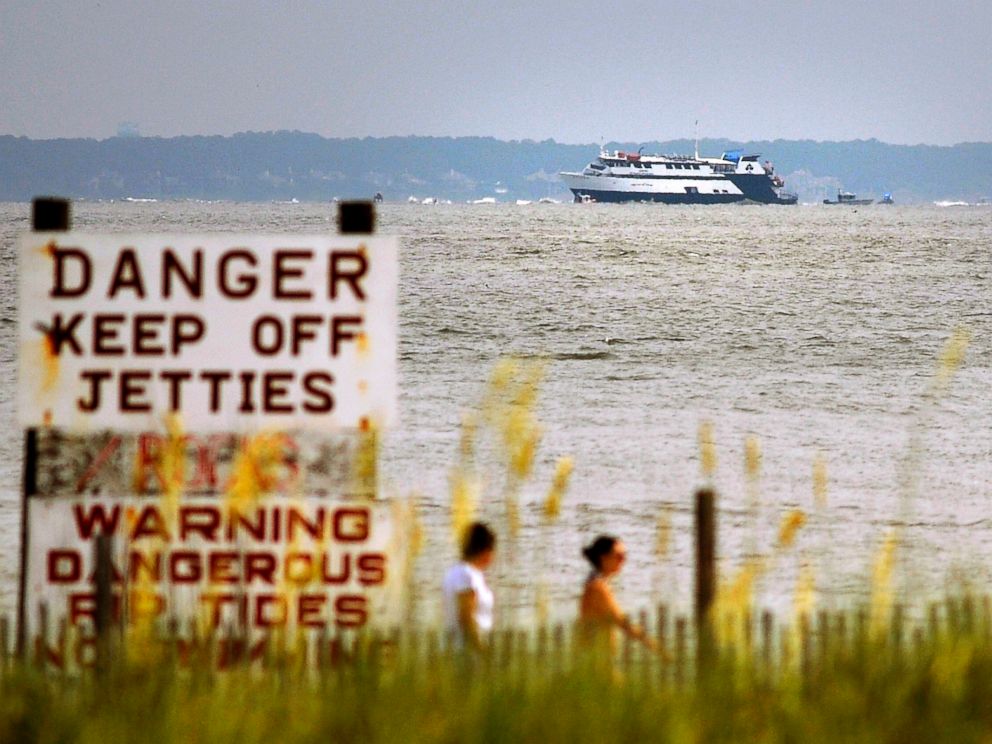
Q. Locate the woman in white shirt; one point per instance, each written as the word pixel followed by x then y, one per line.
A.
pixel 468 601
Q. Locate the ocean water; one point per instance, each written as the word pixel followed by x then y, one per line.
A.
pixel 816 330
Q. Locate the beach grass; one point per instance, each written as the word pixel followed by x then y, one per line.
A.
pixel 935 685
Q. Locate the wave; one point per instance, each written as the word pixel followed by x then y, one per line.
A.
pixel 582 356
pixel 449 331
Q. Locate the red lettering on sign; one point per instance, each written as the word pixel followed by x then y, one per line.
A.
pixel 113 444
pixel 371 569
pixel 311 607
pixel 327 574
pixel 185 567
pixel 215 602
pixel 94 516
pixel 201 520
pixel 351 525
pixel 297 519
pixel 298 568
pixel 351 611
pixel 65 566
pixel 271 610
pixel 149 564
pixel 260 566
pixel 150 524
pixel 222 567
pixel 82 606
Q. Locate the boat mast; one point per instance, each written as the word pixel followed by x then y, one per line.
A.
pixel 697 139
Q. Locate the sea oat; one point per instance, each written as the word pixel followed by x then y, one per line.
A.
pixel 952 356
pixel 465 490
pixel 707 450
pixel 820 481
pixel 881 589
pixel 559 484
pixel 789 528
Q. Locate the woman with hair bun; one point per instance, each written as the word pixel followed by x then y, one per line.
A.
pixel 600 615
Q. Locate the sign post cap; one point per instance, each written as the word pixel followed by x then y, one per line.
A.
pixel 356 217
pixel 49 214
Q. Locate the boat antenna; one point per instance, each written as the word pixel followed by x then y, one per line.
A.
pixel 697 139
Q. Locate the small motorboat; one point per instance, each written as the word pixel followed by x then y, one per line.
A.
pixel 852 200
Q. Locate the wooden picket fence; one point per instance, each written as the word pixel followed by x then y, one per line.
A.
pixel 771 647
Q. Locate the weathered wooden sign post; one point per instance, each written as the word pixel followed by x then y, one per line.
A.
pixel 228 380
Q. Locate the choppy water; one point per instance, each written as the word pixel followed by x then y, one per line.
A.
pixel 817 330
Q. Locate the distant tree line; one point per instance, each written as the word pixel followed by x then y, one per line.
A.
pixel 266 166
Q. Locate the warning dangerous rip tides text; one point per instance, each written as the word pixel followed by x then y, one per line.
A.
pixel 285 331
pixel 275 565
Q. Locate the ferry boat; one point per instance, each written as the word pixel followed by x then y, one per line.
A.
pixel 851 200
pixel 620 176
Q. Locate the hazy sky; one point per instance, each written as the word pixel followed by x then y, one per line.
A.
pixel 576 71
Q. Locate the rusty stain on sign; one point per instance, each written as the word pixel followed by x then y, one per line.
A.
pixel 206 464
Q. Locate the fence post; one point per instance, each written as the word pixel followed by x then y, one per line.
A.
pixel 986 618
pixel 898 617
pixel 933 622
pixel 825 654
pixel 705 524
pixel 542 644
pixel 968 614
pixel 4 641
pixel 644 658
pixel 805 653
pixel 662 636
pixel 767 641
pixel 104 616
pixel 680 644
pixel 559 648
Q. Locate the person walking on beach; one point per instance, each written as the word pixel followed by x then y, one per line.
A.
pixel 468 601
pixel 600 615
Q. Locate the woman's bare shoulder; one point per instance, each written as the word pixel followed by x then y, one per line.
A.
pixel 597 587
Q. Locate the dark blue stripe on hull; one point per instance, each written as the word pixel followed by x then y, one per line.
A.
pixel 635 196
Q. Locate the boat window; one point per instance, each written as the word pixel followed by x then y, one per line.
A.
pixel 691 190
pixel 668 166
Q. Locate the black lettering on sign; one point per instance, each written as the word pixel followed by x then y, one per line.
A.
pixel 126 275
pixel 281 271
pixel 241 286
pixel 61 286
pixel 348 267
pixel 191 278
